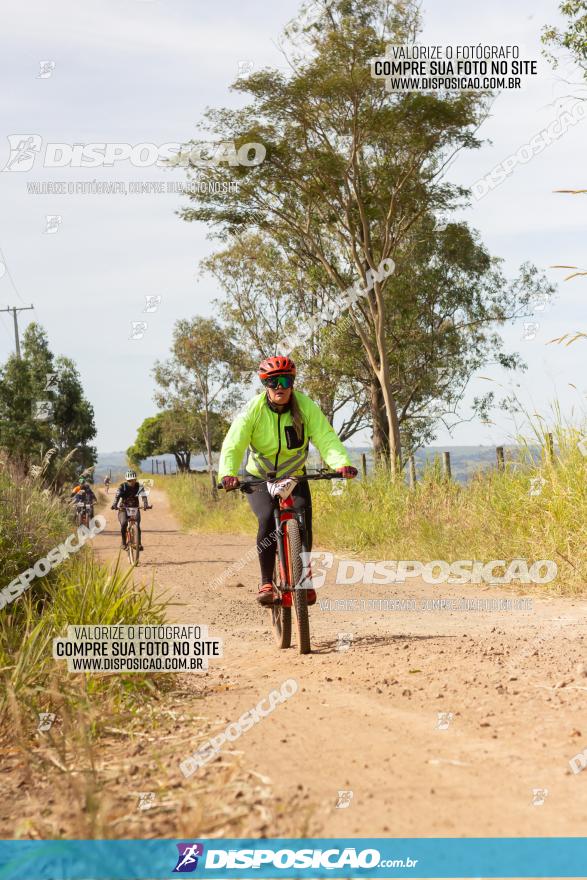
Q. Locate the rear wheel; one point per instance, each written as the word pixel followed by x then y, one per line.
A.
pixel 132 537
pixel 293 537
pixel 281 618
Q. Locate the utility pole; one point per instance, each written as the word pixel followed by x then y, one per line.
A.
pixel 15 310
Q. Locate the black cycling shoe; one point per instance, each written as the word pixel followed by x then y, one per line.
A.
pixel 141 547
pixel 124 546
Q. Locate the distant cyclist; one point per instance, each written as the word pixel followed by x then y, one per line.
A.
pixel 107 484
pixel 83 494
pixel 277 427
pixel 129 494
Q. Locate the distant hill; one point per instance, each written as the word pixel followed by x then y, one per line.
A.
pixel 116 463
pixel 465 460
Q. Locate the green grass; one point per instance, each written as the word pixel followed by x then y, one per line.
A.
pixel 193 504
pixel 78 591
pixel 494 516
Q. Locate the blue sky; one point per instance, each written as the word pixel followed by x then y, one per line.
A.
pixel 143 71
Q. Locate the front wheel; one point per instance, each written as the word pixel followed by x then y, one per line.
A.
pixel 132 538
pixel 281 618
pixel 294 561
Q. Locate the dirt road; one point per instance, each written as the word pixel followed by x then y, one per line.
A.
pixel 366 719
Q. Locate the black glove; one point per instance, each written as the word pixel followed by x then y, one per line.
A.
pixel 113 506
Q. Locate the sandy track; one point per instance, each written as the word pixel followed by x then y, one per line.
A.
pixel 363 720
pixel 366 719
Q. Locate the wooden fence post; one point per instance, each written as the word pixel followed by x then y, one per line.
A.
pixel 500 458
pixel 446 465
pixel 164 469
pixel 412 471
pixel 364 464
pixel 157 464
pixel 550 447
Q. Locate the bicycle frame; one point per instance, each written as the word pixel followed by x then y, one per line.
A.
pixel 284 510
pixel 84 511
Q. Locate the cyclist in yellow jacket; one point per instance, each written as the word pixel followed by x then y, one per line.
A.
pixel 276 428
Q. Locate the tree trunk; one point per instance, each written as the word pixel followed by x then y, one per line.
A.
pixel 395 448
pixel 379 423
pixel 183 461
pixel 209 451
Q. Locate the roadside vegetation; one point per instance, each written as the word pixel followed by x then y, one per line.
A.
pixel 79 590
pixel 532 510
pixel 44 413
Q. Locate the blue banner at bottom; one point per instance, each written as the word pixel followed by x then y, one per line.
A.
pixel 297 857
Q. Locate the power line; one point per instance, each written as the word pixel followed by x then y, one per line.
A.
pixel 9 275
pixel 4 327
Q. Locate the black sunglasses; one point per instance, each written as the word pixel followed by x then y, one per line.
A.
pixel 279 381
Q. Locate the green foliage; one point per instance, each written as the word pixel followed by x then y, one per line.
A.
pixel 494 516
pixel 70 428
pixel 269 293
pixel 76 591
pixel 354 175
pixel 31 522
pixel 201 381
pixel 574 38
pixel 191 498
pixel 179 432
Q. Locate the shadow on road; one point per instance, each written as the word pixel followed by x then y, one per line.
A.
pixel 330 646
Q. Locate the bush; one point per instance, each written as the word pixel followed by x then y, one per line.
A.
pixel 534 509
pixel 78 591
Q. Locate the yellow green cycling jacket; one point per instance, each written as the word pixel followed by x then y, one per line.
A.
pixel 272 442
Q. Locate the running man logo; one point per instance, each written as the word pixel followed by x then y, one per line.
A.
pixel 152 303
pixel 539 795
pixel 42 410
pixel 138 329
pixel 23 151
pixel 344 642
pixel 52 223
pixel 46 719
pixel 51 383
pixel 187 860
pixel 443 720
pixel 146 800
pixel 46 69
pixel 344 800
pixel 578 762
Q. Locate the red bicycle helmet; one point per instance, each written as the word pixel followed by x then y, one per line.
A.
pixel 280 365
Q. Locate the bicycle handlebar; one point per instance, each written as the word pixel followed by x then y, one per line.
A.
pixel 321 475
